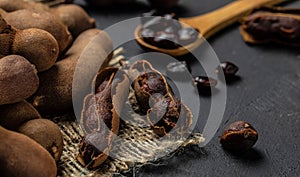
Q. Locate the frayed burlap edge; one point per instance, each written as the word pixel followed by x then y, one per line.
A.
pixel 123 165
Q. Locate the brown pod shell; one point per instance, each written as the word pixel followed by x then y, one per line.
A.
pixel 42 20
pixel 14 115
pixel 18 79
pixel 267 25
pixel 46 133
pixel 55 92
pixel 7 35
pixel 100 116
pixel 173 118
pixel 146 82
pixel 75 17
pixel 151 88
pixel 22 156
pixel 37 46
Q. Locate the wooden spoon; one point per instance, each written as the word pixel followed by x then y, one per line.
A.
pixel 210 23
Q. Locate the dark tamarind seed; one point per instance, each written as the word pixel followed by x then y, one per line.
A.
pixel 239 136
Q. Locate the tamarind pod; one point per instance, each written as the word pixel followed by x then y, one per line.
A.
pixel 100 117
pixel 55 92
pixel 14 115
pixel 272 25
pixel 151 88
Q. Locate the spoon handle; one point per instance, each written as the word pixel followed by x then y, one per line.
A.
pixel 212 22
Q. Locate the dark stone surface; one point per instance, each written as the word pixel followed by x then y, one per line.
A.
pixel 266 95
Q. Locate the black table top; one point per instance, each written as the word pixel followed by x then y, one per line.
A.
pixel 267 96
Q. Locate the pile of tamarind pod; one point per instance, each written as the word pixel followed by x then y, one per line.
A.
pixel 40 48
pixel 100 116
pixel 272 24
pixel 34 143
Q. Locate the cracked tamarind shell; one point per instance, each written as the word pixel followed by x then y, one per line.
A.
pixel 22 156
pixel 55 92
pixel 46 133
pixel 154 95
pixel 169 115
pixel 146 82
pixel 18 79
pixel 100 117
pixel 12 116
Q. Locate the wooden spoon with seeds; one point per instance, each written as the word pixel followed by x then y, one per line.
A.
pixel 210 23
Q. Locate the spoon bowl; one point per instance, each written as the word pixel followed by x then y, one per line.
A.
pixel 173 52
pixel 209 24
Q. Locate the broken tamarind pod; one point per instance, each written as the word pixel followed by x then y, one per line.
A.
pixel 12 116
pixel 164 114
pixel 146 82
pixel 55 92
pixel 272 25
pixel 29 18
pixel 18 79
pixel 167 114
pixel 38 46
pixel 100 117
pixel 155 96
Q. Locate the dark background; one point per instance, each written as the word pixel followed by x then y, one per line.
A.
pixel 267 96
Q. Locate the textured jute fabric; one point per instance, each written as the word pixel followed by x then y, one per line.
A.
pixel 135 147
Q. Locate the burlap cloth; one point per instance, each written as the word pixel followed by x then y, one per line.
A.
pixel 136 146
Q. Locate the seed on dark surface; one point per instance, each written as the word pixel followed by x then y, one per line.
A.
pixel 203 82
pixel 239 136
pixel 229 69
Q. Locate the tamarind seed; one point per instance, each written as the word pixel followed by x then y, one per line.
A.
pixel 228 68
pixel 239 136
pixel 203 82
